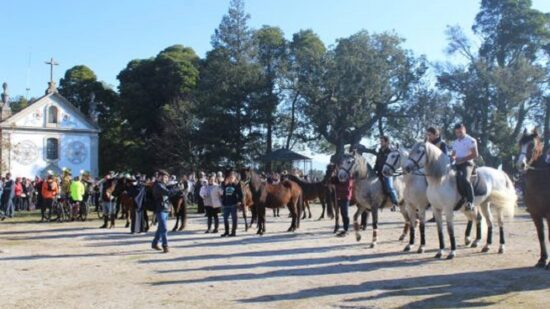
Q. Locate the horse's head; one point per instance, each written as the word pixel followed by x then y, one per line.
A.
pixel 417 158
pixel 530 150
pixel 245 174
pixel 393 163
pixel 351 165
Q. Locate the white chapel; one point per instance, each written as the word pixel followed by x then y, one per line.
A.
pixel 50 134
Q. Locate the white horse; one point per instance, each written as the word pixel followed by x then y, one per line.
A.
pixel 368 192
pixel 443 194
pixel 414 195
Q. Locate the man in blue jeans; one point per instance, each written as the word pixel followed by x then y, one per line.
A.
pixel 387 182
pixel 161 195
pixel 232 197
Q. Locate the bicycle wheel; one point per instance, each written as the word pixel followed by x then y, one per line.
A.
pixel 83 211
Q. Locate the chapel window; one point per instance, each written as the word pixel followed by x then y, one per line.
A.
pixel 52 114
pixel 52 149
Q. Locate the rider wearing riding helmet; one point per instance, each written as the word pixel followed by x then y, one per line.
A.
pixel 464 153
pixel 381 157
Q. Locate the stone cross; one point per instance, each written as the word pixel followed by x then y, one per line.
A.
pixel 52 63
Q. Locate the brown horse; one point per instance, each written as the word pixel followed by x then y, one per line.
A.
pixel 180 211
pixel 248 203
pixel 313 191
pixel 536 194
pixel 287 193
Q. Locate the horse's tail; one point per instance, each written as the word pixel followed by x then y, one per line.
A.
pixel 505 198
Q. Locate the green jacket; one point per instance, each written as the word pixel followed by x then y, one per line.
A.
pixel 77 191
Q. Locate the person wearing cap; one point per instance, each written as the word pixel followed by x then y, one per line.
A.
pixel 108 201
pixel 49 193
pixel 161 196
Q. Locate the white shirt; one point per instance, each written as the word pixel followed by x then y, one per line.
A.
pixel 463 147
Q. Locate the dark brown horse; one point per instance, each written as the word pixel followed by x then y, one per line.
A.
pixel 311 192
pixel 537 180
pixel 248 203
pixel 265 195
pixel 180 211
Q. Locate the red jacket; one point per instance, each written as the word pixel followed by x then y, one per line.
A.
pixel 18 189
pixel 344 190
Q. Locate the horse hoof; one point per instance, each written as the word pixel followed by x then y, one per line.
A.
pixel 485 249
pixel 420 250
pixel 373 245
pixel 541 264
pixel 407 248
pixel 467 242
pixel 402 237
pixel 501 250
pixel 439 255
pixel 475 244
pixel 358 237
pixel 451 255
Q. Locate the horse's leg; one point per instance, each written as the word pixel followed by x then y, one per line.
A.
pixel 467 239
pixel 261 220
pixel 439 220
pixel 323 207
pixel 411 217
pixel 422 228
pixel 146 219
pixel 291 208
pixel 245 219
pixel 177 221
pixel 374 227
pixel 309 210
pixel 365 219
pixel 303 208
pixel 356 226
pixel 478 230
pixel 539 224
pixel 407 225
pixel 489 219
pixel 547 223
pixel 502 240
pixel 450 230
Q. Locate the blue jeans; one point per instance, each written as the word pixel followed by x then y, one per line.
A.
pixel 344 211
pixel 109 208
pixel 230 210
pixel 10 208
pixel 162 229
pixel 388 181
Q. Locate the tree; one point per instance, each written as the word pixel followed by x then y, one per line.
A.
pixel 155 94
pixel 364 79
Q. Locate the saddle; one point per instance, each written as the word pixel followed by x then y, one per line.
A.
pixel 478 184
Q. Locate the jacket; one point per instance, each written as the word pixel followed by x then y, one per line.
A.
pixel 232 195
pixel 49 193
pixel 77 191
pixel 381 159
pixel 344 190
pixel 161 197
pixel 441 145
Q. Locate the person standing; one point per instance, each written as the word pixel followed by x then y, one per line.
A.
pixel 464 153
pixel 8 195
pixel 211 195
pixel 344 192
pixel 161 195
pixel 77 190
pixel 18 194
pixel 232 197
pixel 49 193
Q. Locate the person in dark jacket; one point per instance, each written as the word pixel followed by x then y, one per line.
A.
pixel 387 182
pixel 344 192
pixel 8 195
pixel 232 197
pixel 433 136
pixel 161 195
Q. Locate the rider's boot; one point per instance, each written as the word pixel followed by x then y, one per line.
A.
pixel 113 217
pixel 105 222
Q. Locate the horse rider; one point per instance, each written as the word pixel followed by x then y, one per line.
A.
pixel 161 200
pixel 464 153
pixel 387 182
pixel 434 137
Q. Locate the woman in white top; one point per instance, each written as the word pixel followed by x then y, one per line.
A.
pixel 211 196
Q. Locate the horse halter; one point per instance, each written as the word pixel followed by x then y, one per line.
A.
pixel 392 165
pixel 347 170
pixel 417 162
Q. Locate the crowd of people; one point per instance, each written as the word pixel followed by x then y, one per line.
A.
pixel 214 193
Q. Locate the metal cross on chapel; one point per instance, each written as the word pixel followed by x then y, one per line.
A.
pixel 52 63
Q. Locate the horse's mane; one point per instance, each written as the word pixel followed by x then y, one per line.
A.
pixel 535 138
pixel 361 169
pixel 437 162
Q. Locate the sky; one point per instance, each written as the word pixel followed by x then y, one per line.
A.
pixel 106 35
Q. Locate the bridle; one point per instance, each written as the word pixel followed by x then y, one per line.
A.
pixel 348 170
pixel 417 162
pixel 533 159
pixel 392 166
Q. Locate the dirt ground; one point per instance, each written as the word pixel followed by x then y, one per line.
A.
pixel 76 265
